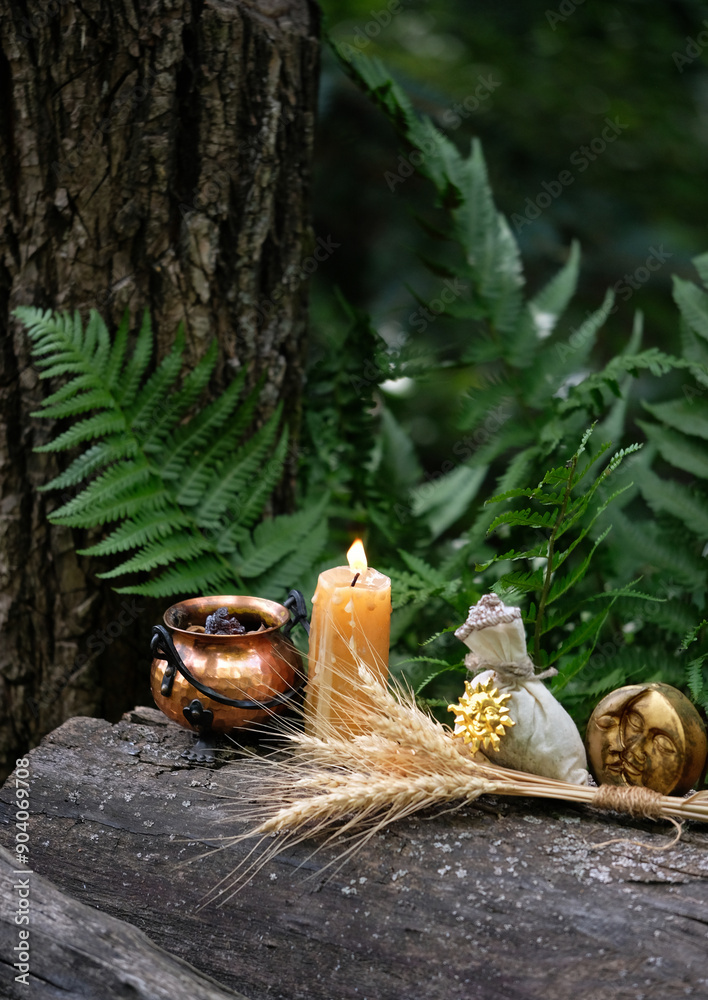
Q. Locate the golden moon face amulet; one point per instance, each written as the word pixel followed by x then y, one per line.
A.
pixel 648 735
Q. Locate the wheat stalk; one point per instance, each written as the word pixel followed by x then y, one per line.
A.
pixel 406 762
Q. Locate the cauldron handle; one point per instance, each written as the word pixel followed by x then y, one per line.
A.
pixel 163 648
pixel 295 603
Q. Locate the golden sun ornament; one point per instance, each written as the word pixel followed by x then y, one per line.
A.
pixel 481 715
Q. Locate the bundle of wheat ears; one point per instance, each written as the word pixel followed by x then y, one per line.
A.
pixel 348 789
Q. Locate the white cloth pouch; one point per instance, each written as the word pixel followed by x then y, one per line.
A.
pixel 544 740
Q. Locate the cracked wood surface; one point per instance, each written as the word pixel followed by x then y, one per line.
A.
pixel 79 952
pixel 154 154
pixel 505 899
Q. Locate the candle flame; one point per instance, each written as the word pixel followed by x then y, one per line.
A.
pixel 357 557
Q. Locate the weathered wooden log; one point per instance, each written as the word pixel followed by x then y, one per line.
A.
pixel 77 951
pixel 509 898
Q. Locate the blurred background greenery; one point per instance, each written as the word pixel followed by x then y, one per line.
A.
pixel 550 79
pixel 593 120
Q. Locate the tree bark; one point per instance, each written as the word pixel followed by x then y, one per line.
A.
pixel 155 155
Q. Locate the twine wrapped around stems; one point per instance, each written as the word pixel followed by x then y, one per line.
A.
pixel 349 789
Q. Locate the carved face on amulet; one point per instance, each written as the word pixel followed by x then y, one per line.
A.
pixel 649 735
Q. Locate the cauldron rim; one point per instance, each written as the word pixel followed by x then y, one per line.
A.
pixel 200 607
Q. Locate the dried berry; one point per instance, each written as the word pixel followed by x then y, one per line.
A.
pixel 220 624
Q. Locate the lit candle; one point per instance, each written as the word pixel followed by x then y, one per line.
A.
pixel 351 624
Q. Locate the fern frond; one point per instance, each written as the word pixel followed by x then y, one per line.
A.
pixel 695 679
pixel 674 617
pixel 150 497
pixel 586 633
pixel 191 438
pixel 523 583
pixel 692 634
pixel 86 381
pixel 118 482
pixel 180 402
pixel 528 518
pixel 93 399
pixel 194 481
pixel 559 360
pixel 97 342
pixel 151 401
pixel 295 567
pixel 274 539
pixel 478 403
pixel 442 502
pixel 137 365
pixel 653 550
pixel 177 546
pixel 677 449
pixel 235 476
pixel 548 305
pixel 107 422
pixel 138 532
pixel 693 303
pixel 249 508
pixel 630 665
pixel 114 365
pixel 701 265
pixel 160 475
pixel 653 360
pixel 204 575
pixel 667 496
pixel 491 251
pixel 97 457
pixel 690 416
pixel 562 584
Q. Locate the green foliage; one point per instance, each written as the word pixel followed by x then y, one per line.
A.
pixel 531 383
pixel 559 505
pixel 183 489
pixel 606 555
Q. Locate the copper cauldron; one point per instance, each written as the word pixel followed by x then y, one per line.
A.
pixel 216 683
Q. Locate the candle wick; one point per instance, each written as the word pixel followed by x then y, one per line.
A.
pixel 355 579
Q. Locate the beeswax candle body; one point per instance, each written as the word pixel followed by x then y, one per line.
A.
pixel 349 625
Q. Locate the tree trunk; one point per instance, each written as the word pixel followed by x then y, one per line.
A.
pixel 155 155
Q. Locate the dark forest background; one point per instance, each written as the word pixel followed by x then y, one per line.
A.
pixel 558 73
